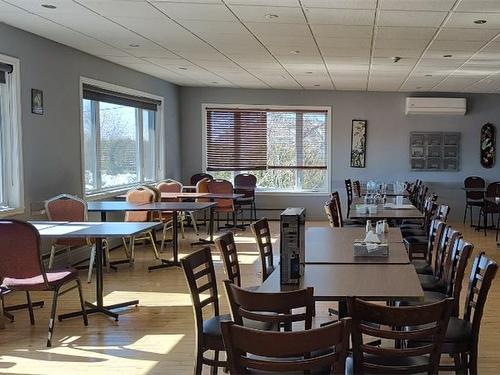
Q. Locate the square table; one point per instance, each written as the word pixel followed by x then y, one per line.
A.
pixel 325 245
pixel 97 231
pixel 336 282
pixel 384 212
pixel 174 207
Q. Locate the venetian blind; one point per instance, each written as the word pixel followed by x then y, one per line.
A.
pixel 236 139
pixel 103 95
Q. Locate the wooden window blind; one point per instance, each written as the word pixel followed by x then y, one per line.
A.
pixel 236 139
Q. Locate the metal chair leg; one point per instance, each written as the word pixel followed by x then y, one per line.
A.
pixel 52 319
pixel 155 250
pixel 52 255
pixel 30 308
pixel 82 303
pixel 91 264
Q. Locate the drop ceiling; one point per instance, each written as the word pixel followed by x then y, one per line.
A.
pixel 283 44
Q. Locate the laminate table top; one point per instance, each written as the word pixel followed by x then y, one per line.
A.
pixel 324 245
pixel 385 212
pixel 90 229
pixel 334 282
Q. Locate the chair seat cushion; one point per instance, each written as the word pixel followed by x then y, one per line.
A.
pixel 413 233
pixel 211 327
pixel 387 361
pixel 422 268
pixel 429 297
pixel 55 278
pixel 431 283
pixel 415 241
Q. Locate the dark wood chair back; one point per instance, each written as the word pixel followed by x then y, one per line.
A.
pixel 227 249
pixel 373 320
pixel 448 238
pixel 357 188
pixel 335 196
pixel 436 231
pixel 442 212
pixel 482 274
pixel 474 182
pixel 348 189
pixel 200 276
pixel 277 352
pixel 454 269
pixel 262 234
pixel 257 306
pixel 331 211
pixel 493 189
pixel 422 196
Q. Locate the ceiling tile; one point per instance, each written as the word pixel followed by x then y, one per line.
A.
pixel 408 33
pixel 342 31
pixel 431 5
pixel 344 42
pixel 452 33
pixel 410 19
pixel 340 4
pixel 452 45
pixel 191 11
pixel 323 16
pixel 466 20
pixel 475 5
pixel 278 29
pixel 281 3
pixel 119 8
pixel 400 43
pixel 261 13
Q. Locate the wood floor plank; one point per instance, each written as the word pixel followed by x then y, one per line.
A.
pixel 157 337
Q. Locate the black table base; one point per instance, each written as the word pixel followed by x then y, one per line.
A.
pixel 94 309
pixel 165 264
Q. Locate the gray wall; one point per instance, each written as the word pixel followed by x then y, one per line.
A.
pixel 387 139
pixel 51 143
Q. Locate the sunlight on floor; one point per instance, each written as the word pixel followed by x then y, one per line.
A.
pixel 149 299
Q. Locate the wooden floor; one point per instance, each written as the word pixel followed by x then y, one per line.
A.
pixel 157 337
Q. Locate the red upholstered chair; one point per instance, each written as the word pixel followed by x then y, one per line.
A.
pixel 172 186
pixel 65 207
pixel 140 195
pixel 224 205
pixel 246 183
pixel 21 268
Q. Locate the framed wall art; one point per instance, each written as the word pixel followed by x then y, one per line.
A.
pixel 358 144
pixel 37 101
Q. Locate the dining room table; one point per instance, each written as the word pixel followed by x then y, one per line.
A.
pixel 325 245
pixel 389 210
pixel 98 231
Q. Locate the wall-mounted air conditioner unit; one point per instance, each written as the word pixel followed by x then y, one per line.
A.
pixel 435 106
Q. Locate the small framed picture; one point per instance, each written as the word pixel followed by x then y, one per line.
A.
pixel 358 144
pixel 37 101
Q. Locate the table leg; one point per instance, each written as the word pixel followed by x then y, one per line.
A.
pixel 202 241
pixel 99 307
pixel 113 264
pixel 342 308
pixel 175 245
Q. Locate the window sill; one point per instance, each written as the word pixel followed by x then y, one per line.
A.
pixel 7 212
pixel 294 193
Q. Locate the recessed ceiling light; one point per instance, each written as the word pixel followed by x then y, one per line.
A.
pixel 428 75
pixel 317 85
pixel 215 83
pixel 309 72
pixel 418 87
pixel 447 55
pixel 480 22
pixel 396 59
pixel 271 16
pixel 133 45
pixel 183 68
pixel 49 6
pixel 294 52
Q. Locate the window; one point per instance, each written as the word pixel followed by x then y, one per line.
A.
pixel 286 148
pixel 11 190
pixel 120 139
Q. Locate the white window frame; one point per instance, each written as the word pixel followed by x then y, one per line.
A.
pixel 268 107
pixel 160 144
pixel 14 170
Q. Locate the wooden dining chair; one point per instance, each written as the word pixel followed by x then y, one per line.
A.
pixel 462 335
pixel 438 228
pixel 434 263
pixel 22 269
pixel 473 198
pixel 420 227
pixel 335 197
pixel 450 282
pixel 348 189
pixel 321 349
pixel 332 213
pixel 262 234
pixel 246 184
pixel 356 187
pixel 227 248
pixel 490 208
pixel 418 247
pixel 224 205
pixel 278 310
pixel 370 320
pixel 200 276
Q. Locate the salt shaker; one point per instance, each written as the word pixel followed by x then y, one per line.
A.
pixel 368 226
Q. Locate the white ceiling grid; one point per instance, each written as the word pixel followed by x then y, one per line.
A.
pixel 283 44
